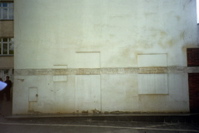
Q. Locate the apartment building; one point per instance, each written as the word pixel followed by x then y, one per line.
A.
pixel 6 38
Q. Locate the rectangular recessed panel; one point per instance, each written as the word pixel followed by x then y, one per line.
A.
pixel 59 78
pixel 153 84
pixel 146 84
pixel 87 93
pixel 161 85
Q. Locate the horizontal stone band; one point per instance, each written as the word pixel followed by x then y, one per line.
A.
pixel 98 71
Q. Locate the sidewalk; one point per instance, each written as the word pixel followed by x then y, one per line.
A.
pixel 142 117
pixel 142 122
pixel 187 118
pixel 90 123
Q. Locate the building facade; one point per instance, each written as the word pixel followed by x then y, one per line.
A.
pixel 6 38
pixel 99 56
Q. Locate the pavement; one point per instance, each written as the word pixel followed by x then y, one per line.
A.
pixel 97 123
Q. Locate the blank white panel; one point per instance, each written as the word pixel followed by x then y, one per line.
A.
pixel 152 84
pixel 152 60
pixel 146 83
pixel 87 60
pixel 59 78
pixel 161 84
pixel 87 92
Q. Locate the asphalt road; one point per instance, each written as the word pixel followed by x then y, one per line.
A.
pixel 63 128
pixel 62 125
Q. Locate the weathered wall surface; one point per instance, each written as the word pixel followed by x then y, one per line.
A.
pixel 90 56
pixel 6 28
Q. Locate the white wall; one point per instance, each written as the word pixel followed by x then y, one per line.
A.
pixel 102 56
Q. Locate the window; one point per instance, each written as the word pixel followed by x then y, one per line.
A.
pixel 6 11
pixel 6 46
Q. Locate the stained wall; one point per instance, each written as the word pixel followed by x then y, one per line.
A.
pixel 90 56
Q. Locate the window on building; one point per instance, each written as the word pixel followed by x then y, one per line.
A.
pixel 6 11
pixel 6 46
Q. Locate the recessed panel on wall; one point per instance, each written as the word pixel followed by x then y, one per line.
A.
pixel 88 88
pixel 152 83
pixel 87 93
pixel 63 93
pixel 59 78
